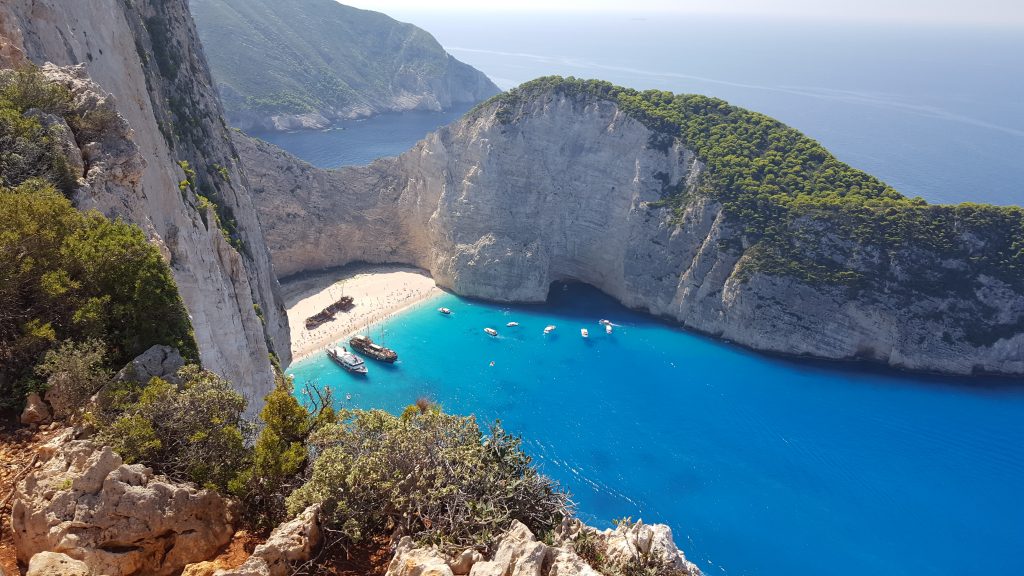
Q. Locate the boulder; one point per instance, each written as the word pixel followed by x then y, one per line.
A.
pixel 159 361
pixel 518 553
pixel 289 544
pixel 411 561
pixel 463 563
pixel 118 519
pixel 56 564
pixel 628 539
pixel 36 411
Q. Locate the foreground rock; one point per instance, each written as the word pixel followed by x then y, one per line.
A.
pixel 117 519
pixel 518 553
pixel 36 411
pixel 56 564
pixel 157 362
pixel 289 544
pixel 555 186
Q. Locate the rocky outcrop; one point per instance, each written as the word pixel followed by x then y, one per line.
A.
pixel 506 201
pixel 56 564
pixel 632 540
pixel 519 553
pixel 157 362
pixel 119 520
pixel 36 411
pixel 288 64
pixel 288 545
pixel 137 68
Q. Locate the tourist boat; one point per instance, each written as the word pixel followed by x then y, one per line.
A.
pixel 512 324
pixel 549 329
pixel 444 310
pixel 608 328
pixel 491 331
pixel 366 345
pixel 584 332
pixel 347 360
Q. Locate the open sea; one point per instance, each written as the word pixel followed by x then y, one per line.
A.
pixel 761 465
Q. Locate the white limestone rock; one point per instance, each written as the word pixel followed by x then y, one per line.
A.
pixel 567 189
pixel 36 411
pixel 157 362
pixel 119 520
pixel 289 544
pixel 56 564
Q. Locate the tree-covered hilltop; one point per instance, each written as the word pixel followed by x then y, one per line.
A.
pixel 290 57
pixel 803 212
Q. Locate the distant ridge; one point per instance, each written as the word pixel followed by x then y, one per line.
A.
pixel 293 64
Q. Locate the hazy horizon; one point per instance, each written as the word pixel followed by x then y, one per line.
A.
pixel 1000 13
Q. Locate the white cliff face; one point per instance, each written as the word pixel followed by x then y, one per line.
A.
pixel 143 59
pixel 562 192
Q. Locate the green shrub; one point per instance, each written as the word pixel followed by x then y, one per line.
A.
pixel 74 371
pixel 279 455
pixel 69 275
pixel 27 149
pixel 193 433
pixel 426 474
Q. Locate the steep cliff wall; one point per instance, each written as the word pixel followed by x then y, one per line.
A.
pixel 504 202
pixel 146 54
pixel 287 64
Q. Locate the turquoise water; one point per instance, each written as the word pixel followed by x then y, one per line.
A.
pixel 761 465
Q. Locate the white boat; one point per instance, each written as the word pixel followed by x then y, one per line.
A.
pixel 584 332
pixel 347 360
pixel 608 328
pixel 491 331
pixel 549 329
pixel 512 324
pixel 444 310
pixel 605 322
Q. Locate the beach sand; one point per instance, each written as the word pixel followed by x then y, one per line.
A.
pixel 379 291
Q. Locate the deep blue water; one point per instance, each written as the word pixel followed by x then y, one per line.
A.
pixel 359 142
pixel 761 465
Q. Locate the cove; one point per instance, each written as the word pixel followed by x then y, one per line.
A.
pixel 761 465
pixel 360 142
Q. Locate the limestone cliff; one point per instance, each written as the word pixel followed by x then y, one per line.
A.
pixel 560 187
pixel 142 60
pixel 290 64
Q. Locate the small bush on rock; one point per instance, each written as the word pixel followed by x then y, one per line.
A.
pixel 74 372
pixel 190 433
pixel 426 474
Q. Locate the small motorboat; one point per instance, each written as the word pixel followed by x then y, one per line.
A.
pixel 584 332
pixel 512 324
pixel 608 328
pixel 604 322
pixel 347 360
pixel 549 329
pixel 491 331
pixel 444 311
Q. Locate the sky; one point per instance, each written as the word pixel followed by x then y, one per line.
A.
pixel 941 12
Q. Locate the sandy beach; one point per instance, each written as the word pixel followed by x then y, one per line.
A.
pixel 378 292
